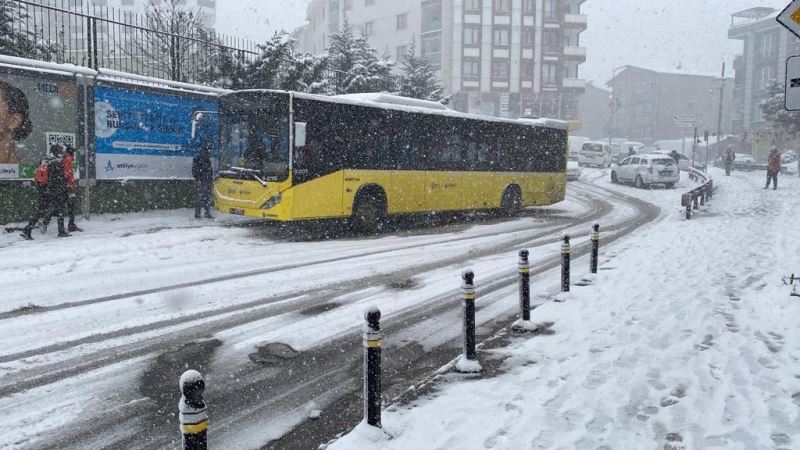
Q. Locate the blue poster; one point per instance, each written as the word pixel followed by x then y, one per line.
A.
pixel 142 134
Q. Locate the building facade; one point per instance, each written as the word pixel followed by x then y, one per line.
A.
pixel 594 112
pixel 766 45
pixel 507 58
pixel 645 104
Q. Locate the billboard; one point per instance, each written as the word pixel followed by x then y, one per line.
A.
pixel 36 111
pixel 144 134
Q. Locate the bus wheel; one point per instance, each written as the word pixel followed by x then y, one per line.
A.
pixel 369 213
pixel 511 202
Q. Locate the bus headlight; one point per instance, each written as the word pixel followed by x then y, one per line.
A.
pixel 272 202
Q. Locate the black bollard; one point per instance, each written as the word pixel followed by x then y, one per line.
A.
pixel 688 212
pixel 192 411
pixel 372 367
pixel 468 290
pixel 702 197
pixel 524 285
pixel 595 248
pixel 694 200
pixel 565 255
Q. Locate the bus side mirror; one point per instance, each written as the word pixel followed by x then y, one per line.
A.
pixel 299 134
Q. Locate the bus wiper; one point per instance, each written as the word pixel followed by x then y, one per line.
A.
pixel 252 172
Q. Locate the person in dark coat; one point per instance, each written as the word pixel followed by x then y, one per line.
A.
pixel 727 158
pixel 54 193
pixel 773 168
pixel 72 197
pixel 203 175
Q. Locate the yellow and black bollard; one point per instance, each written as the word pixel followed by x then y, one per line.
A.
pixel 372 367
pixel 595 248
pixel 565 256
pixel 192 411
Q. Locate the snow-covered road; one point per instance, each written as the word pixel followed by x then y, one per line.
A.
pixel 93 318
pixel 688 339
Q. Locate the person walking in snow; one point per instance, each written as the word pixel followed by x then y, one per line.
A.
pixel 54 194
pixel 203 175
pixel 727 158
pixel 773 167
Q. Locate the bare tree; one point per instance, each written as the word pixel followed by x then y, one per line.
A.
pixel 175 42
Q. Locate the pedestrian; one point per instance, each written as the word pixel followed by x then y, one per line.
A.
pixel 728 157
pixel 203 182
pixel 631 151
pixel 53 195
pixel 773 167
pixel 674 155
pixel 72 196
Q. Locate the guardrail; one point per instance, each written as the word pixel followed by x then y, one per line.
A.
pixel 698 195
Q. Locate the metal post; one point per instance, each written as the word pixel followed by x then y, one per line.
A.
pixel 702 197
pixel 688 211
pixel 595 247
pixel 372 367
pixel 719 110
pixel 192 411
pixel 694 145
pixel 565 255
pixel 468 291
pixel 524 285
pixel 694 200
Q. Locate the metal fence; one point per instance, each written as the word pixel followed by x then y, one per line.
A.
pixel 85 34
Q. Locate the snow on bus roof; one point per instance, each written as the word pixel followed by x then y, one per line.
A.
pixel 394 102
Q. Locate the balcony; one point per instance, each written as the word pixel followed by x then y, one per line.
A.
pixel 573 84
pixel 580 21
pixel 574 53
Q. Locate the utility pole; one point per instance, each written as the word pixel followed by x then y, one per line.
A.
pixel 719 111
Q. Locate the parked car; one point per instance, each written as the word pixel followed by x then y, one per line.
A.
pixel 594 154
pixel 683 161
pixel 573 170
pixel 744 161
pixel 646 170
pixel 575 145
pixel 789 156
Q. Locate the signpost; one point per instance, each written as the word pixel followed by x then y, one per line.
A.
pixel 790 18
pixel 683 121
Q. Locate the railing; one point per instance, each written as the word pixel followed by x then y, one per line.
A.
pixel 102 37
pixel 697 197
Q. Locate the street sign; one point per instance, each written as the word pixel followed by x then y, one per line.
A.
pixel 792 83
pixel 683 121
pixel 790 17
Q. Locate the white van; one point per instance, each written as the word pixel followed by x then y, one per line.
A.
pixel 594 153
pixel 575 144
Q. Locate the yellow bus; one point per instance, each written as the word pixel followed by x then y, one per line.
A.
pixel 291 156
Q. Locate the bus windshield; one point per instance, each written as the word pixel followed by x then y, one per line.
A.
pixel 257 142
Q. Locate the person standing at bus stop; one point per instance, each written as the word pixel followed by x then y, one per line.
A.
pixel 203 175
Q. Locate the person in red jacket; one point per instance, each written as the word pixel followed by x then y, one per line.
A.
pixel 773 167
pixel 52 182
pixel 72 197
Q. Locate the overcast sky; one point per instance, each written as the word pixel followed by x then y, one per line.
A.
pixel 658 34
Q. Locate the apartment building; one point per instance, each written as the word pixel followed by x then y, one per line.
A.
pixel 507 58
pixel 766 45
pixel 645 103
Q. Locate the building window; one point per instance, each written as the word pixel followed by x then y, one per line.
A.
pixel 551 41
pixel 502 6
pixel 501 37
pixel 500 69
pixel 549 74
pixel 529 6
pixel 767 45
pixel 527 69
pixel 472 36
pixel 127 2
pixel 369 28
pixel 348 5
pixel 369 2
pixel 402 51
pixel 402 21
pixel 527 36
pixel 765 75
pixel 550 9
pixel 472 5
pixel 471 68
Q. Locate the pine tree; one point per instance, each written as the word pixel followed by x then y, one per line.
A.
pixel 279 67
pixel 356 66
pixel 17 39
pixel 418 78
pixel 342 58
pixel 774 111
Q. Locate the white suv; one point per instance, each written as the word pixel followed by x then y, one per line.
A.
pixel 645 170
pixel 594 154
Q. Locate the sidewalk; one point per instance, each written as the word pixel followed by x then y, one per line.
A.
pixel 687 339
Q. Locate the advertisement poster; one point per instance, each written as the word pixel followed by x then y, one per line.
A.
pixel 148 135
pixel 36 111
